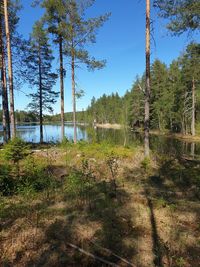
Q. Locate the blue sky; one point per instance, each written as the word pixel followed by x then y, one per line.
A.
pixel 121 41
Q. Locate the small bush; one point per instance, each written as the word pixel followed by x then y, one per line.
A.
pixel 7 183
pixel 64 142
pixel 146 163
pixel 35 175
pixel 15 150
pixel 79 187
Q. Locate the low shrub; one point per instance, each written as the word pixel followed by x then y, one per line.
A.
pixel 7 183
pixel 36 175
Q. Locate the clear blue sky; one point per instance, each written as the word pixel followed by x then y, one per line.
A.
pixel 121 41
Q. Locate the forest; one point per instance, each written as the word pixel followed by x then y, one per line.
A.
pixel 114 181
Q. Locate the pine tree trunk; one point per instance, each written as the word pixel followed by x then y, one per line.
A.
pixel 10 72
pixel 40 92
pixel 192 150
pixel 62 88
pixel 74 96
pixel 6 120
pixel 5 136
pixel 3 85
pixel 193 108
pixel 147 89
pixel 6 98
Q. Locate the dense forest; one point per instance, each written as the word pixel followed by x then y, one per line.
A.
pixel 175 97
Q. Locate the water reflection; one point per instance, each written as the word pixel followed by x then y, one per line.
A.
pixel 161 144
pixel 31 133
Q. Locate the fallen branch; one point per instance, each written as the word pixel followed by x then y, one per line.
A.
pixel 92 255
pixel 112 253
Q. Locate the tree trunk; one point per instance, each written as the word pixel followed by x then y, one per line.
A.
pixel 192 149
pixel 147 89
pixel 3 85
pixel 74 96
pixel 62 88
pixel 193 108
pixel 40 92
pixel 6 98
pixel 5 136
pixel 10 72
pixel 6 119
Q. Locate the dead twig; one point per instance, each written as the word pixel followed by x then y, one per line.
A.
pixel 92 255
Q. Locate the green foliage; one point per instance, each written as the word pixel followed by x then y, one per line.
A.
pixel 64 142
pixel 39 70
pixel 183 15
pixel 170 102
pixel 80 32
pixel 106 109
pixel 79 186
pixel 15 150
pixel 7 183
pixel 112 162
pixel 180 262
pixel 36 176
pixel 102 150
pixel 146 163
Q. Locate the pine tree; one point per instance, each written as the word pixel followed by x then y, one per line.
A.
pixel 135 99
pixel 5 119
pixel 147 88
pixel 55 17
pixel 10 68
pixel 183 15
pixel 161 96
pixel 190 62
pixel 177 91
pixel 81 32
pixel 39 73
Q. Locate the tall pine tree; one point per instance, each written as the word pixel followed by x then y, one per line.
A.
pixel 39 73
pixel 81 32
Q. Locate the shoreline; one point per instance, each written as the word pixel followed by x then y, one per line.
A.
pixel 109 126
pixel 178 136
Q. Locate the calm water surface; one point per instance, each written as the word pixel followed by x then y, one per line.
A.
pixel 52 133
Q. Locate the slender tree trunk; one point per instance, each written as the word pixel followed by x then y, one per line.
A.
pixel 6 98
pixel 62 88
pixel 183 126
pixel 6 119
pixel 193 108
pixel 5 136
pixel 74 96
pixel 3 85
pixel 147 89
pixel 192 150
pixel 10 71
pixel 40 92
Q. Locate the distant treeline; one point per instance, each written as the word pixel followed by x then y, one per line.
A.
pixel 174 101
pixel 23 116
pixel 29 116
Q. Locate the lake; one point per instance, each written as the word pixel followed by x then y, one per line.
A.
pixel 52 133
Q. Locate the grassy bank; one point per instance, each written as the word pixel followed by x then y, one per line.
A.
pixel 98 205
pixel 179 136
pixel 188 138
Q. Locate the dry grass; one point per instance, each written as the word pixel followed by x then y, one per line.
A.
pixel 154 220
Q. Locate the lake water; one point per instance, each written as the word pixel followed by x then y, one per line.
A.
pixel 52 133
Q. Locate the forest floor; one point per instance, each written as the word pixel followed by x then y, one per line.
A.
pixel 108 207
